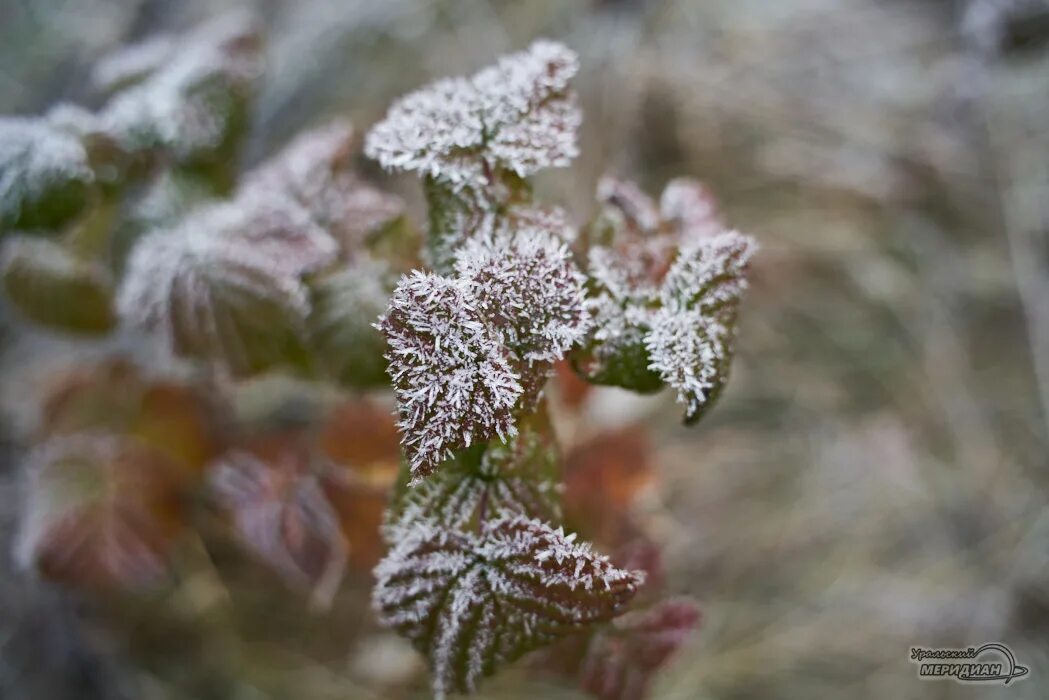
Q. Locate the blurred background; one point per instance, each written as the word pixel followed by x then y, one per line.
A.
pixel 876 475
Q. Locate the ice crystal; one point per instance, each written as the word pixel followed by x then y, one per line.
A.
pixel 528 288
pixel 518 115
pixel 224 284
pixel 44 174
pixel 473 602
pixel 192 100
pixel 99 510
pixel 453 380
pixel 281 513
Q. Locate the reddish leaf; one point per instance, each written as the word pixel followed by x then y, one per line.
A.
pixel 115 397
pixel 472 603
pixel 362 436
pixel 622 658
pixel 100 511
pixel 572 390
pixel 602 478
pixel 280 511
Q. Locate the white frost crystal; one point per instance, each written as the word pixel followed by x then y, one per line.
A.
pixel 528 289
pixel 518 115
pixel 475 601
pixel 453 380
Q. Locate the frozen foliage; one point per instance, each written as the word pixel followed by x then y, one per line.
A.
pixel 628 201
pixel 44 174
pixel 690 341
pixel 473 602
pixel 666 283
pixel 453 380
pixel 464 351
pixel 195 95
pixel 518 115
pixel 476 577
pixel 99 509
pixel 687 205
pixel 225 284
pixel 515 478
pixel 281 512
pixel 314 172
pixel 527 288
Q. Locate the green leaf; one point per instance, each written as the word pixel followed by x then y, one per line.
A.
pixel 346 304
pixel 45 179
pixel 51 287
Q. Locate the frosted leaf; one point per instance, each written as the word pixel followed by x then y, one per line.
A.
pixel 453 381
pixel 130 64
pixel 690 344
pixel 98 511
pixel 634 208
pixel 663 279
pixel 622 658
pixel 690 207
pixel 224 284
pixel 472 603
pixel 709 273
pixel 44 174
pixel 517 115
pixel 488 482
pixel 51 287
pixel 528 288
pixel 622 304
pixel 280 512
pixel 345 305
pixel 314 171
pixel 530 117
pixel 195 99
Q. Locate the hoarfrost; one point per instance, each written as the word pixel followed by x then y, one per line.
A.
pixel 518 115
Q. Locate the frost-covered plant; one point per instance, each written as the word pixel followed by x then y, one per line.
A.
pixel 480 570
pixel 132 221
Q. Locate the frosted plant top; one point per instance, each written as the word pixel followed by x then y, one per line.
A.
pixel 518 115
